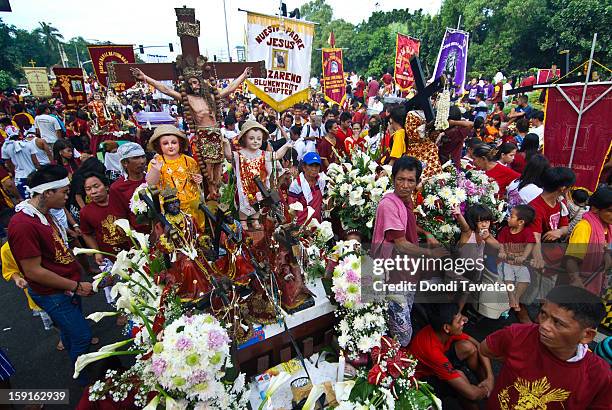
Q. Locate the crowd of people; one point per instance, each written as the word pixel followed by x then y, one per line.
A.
pixel 58 192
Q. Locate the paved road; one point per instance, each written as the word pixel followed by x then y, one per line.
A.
pixel 32 349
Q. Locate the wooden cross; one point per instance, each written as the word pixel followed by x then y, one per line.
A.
pixel 189 30
pixel 32 62
pixel 422 100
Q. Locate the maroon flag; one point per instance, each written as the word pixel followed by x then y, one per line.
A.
pixel 406 47
pixel 71 86
pixel 333 82
pixel 102 56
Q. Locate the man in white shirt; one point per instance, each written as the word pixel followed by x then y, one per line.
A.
pixel 47 127
pixel 20 156
pixel 230 130
pixel 311 133
pixel 537 119
pixel 283 128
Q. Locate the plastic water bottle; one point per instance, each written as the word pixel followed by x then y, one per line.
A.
pixel 46 319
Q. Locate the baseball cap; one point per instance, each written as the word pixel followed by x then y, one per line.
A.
pixel 130 150
pixel 312 158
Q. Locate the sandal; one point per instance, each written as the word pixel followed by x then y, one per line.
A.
pixel 60 346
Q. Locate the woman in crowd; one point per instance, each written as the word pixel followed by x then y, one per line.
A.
pixel 484 159
pixel 528 186
pixel 529 147
pixel 63 154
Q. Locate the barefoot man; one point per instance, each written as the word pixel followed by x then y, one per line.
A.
pixel 201 102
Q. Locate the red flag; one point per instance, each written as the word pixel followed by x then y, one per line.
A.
pixel 406 48
pixel 332 39
pixel 71 86
pixel 101 56
pixel 333 82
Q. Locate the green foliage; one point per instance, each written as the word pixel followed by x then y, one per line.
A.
pixel 512 36
pixel 5 80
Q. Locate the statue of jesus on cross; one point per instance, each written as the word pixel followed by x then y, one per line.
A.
pixel 200 100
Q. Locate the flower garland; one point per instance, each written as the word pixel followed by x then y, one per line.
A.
pixel 360 329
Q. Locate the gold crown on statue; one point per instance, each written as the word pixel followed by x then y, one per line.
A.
pixel 169 194
pixel 192 72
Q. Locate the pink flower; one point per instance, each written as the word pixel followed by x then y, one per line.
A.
pixel 158 366
pixel 352 276
pixel 198 376
pixel 216 339
pixel 340 295
pixel 184 343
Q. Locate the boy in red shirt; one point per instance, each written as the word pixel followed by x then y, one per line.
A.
pixel 516 243
pixel 548 365
pixel 449 359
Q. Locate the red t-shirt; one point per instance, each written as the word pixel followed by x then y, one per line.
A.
pixel 360 88
pixel 431 354
pixel 341 135
pixel 519 162
pixel 503 176
pixel 533 378
pixel 547 218
pixel 515 242
pixel 100 221
pixel 531 80
pixel 29 238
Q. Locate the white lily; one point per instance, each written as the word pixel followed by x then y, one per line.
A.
pixel 355 197
pixel 316 392
pixel 85 359
pixel 152 404
pixel 313 224
pixel 142 239
pixel 296 206
pixel 97 316
pixel 388 169
pixel 125 225
pixel 275 384
pixel 343 389
pixel 114 346
pixel 171 404
pixel 84 251
pixel 325 232
pixel 121 265
pixel 97 279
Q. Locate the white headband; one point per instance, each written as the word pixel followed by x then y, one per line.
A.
pixel 39 189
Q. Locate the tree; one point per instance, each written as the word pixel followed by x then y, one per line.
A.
pixel 50 35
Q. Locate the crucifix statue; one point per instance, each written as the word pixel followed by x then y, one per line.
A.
pixel 198 94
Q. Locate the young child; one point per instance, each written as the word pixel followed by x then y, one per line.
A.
pixel 171 168
pixel 249 162
pixel 577 206
pixel 516 241
pixel 475 234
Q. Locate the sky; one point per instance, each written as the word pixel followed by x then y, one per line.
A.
pixel 152 22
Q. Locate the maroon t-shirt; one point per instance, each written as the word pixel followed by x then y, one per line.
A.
pixel 533 378
pixel 519 162
pixel 29 238
pixel 387 78
pixel 547 218
pixel 326 150
pixel 100 221
pixel 452 144
pixel 121 192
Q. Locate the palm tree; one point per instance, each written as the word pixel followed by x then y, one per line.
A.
pixel 50 35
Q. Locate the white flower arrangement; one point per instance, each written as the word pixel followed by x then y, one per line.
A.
pixel 354 190
pixel 137 205
pixel 361 328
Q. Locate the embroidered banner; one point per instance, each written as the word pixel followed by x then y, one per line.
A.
pixel 332 81
pixel 101 56
pixel 71 86
pixel 405 48
pixel 452 57
pixel 285 45
pixel 594 137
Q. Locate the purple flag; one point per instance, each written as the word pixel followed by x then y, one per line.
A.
pixel 453 56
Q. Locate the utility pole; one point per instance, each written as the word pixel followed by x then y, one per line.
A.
pixel 77 55
pixel 229 56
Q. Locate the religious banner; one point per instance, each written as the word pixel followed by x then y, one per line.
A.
pixel 405 48
pixel 285 45
pixel 38 81
pixel 452 57
pixel 71 86
pixel 333 82
pixel 101 56
pixel 593 143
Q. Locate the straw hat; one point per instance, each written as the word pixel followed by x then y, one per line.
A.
pixel 165 129
pixel 252 125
